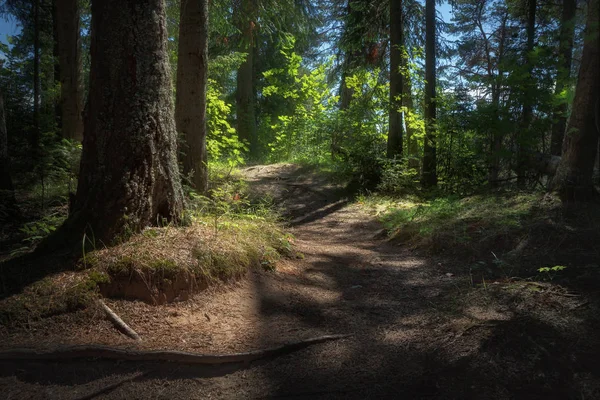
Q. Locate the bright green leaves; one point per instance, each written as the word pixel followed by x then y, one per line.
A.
pixel 298 133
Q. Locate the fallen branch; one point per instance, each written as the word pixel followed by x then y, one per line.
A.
pixel 115 353
pixel 118 322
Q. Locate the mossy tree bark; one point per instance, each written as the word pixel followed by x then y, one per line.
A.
pixel 67 19
pixel 429 172
pixel 190 102
pixel 129 176
pixel 573 180
pixel 396 124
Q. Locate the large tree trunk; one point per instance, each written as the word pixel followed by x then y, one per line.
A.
pixel 190 102
pixel 129 176
pixel 396 124
pixel 7 194
pixel 573 179
pixel 429 173
pixel 67 19
pixel 245 97
pixel 563 74
pixel 524 138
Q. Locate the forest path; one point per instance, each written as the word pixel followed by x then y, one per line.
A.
pixel 414 336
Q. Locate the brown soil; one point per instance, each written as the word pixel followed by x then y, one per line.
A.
pixel 420 331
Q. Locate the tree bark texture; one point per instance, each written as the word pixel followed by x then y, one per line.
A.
pixel 429 174
pixel 396 124
pixel 563 74
pixel 190 102
pixel 67 19
pixel 245 96
pixel 573 180
pixel 129 176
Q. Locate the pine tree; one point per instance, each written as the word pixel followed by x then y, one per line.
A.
pixel 129 176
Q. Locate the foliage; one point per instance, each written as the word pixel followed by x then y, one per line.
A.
pixel 222 142
pixel 298 134
pixel 452 223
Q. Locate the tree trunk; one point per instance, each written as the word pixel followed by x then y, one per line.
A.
pixel 190 102
pixel 524 133
pixel 497 86
pixel 429 174
pixel 7 194
pixel 412 144
pixel 129 176
pixel 396 124
pixel 573 180
pixel 36 132
pixel 346 93
pixel 69 54
pixel 245 99
pixel 563 74
pixel 411 134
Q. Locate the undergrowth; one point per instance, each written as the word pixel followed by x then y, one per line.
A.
pixel 219 238
pixel 530 235
pixel 452 222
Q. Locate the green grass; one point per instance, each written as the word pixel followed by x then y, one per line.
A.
pixel 452 223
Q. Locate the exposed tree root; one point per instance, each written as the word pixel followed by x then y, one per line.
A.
pixel 115 353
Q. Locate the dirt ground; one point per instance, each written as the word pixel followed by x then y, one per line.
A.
pixel 421 329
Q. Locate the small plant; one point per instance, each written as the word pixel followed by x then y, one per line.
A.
pixel 551 272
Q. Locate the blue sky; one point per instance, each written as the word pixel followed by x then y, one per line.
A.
pixel 8 27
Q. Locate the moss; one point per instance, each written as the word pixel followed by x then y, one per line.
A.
pixel 451 222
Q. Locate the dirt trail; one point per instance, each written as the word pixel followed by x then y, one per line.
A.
pixel 417 334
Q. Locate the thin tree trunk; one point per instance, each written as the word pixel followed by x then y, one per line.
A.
pixel 573 179
pixel 245 97
pixel 129 176
pixel 190 102
pixel 346 93
pixel 36 133
pixel 67 16
pixel 396 124
pixel 411 133
pixel 429 173
pixel 497 134
pixel 7 194
pixel 563 74
pixel 524 132
pixel 407 102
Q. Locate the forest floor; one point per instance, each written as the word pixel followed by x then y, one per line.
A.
pixel 420 327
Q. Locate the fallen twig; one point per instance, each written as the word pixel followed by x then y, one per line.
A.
pixel 115 353
pixel 118 322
